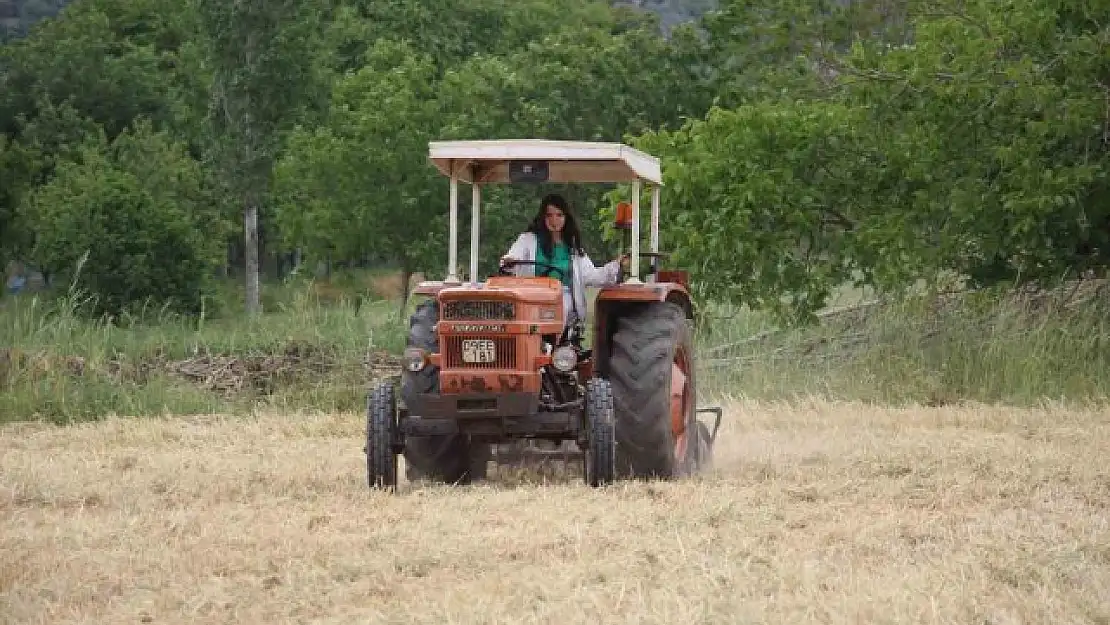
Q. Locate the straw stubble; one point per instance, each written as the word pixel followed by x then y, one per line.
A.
pixel 816 512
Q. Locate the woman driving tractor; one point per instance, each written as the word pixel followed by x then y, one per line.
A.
pixel 552 246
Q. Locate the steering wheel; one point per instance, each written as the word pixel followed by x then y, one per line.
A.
pixel 503 269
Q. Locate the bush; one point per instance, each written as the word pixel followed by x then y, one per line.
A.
pixel 129 224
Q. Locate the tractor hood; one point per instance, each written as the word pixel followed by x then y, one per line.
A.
pixel 509 289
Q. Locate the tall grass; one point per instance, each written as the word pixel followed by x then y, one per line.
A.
pixel 310 351
pixel 59 365
pixel 994 346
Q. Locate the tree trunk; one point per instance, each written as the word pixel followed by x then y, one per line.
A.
pixel 406 277
pixel 250 227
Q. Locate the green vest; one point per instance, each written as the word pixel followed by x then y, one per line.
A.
pixel 561 260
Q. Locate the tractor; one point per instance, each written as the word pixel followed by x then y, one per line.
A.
pixel 490 363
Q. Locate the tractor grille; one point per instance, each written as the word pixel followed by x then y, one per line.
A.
pixel 479 310
pixel 505 353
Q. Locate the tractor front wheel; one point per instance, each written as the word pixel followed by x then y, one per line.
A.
pixel 651 369
pixel 381 432
pixel 600 457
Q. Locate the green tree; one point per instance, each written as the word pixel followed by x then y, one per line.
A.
pixel 263 55
pixel 133 218
pixel 781 49
pixel 993 124
pixel 450 32
pixel 111 60
pixel 53 134
pixel 95 68
pixel 361 184
pixel 16 163
pixel 979 150
pixel 759 203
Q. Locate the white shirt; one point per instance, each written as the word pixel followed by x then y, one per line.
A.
pixel 583 272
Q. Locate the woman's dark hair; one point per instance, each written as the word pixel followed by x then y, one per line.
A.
pixel 571 235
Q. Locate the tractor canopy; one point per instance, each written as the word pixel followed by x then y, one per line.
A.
pixel 537 161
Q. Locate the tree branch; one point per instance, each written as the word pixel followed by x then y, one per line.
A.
pixel 840 218
pixel 963 17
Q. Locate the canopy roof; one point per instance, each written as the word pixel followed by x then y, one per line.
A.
pixel 542 160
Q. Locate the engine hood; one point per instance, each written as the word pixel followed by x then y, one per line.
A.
pixel 509 289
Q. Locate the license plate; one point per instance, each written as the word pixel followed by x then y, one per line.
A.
pixel 478 351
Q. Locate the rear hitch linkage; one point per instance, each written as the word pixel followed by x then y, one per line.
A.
pixel 717 410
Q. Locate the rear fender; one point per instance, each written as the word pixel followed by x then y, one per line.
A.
pixel 613 300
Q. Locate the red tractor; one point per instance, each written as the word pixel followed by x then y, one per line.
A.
pixel 490 363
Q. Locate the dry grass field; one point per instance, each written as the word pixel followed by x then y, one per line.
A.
pixel 816 513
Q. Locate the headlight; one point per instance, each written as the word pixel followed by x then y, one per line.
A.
pixel 413 359
pixel 564 358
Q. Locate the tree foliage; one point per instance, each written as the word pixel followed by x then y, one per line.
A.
pixel 126 222
pixel 975 146
pixel 777 219
pixel 360 185
pixel 266 75
pixel 806 144
pixel 95 70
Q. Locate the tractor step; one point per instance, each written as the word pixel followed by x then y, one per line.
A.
pixel 717 410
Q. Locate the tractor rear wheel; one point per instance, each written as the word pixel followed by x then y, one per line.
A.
pixel 450 458
pixel 651 369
